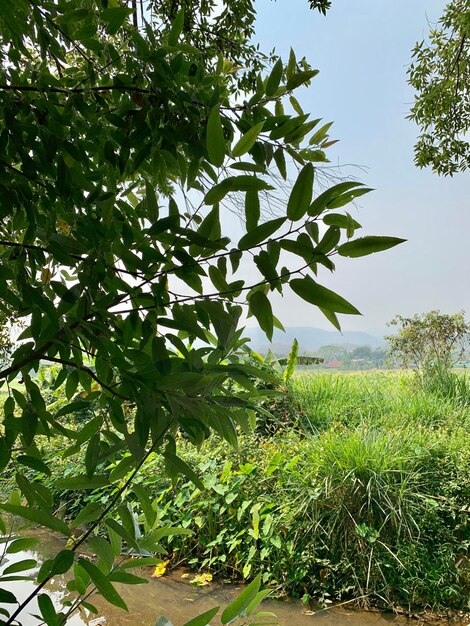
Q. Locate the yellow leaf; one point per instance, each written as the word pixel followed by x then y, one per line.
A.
pixel 160 569
pixel 63 227
pixel 201 580
pixel 46 276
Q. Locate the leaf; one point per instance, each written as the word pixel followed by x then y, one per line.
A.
pixel 274 78
pixel 24 543
pixel 102 584
pixel 242 601
pixel 47 609
pixel 204 618
pixel 146 504
pixel 176 28
pixel 127 579
pixel 5 454
pixel 90 513
pixel 301 195
pixel 260 233
pixel 261 308
pixel 7 597
pixel 325 199
pixel 246 142
pixel 82 482
pixel 115 18
pixel 175 465
pixel 252 210
pixel 20 566
pixel 38 517
pixel 291 361
pixel 215 140
pixel 160 569
pixel 300 79
pixel 122 532
pixel 331 317
pixel 243 182
pixel 146 561
pixel 312 292
pixel 368 245
pixel 34 463
pixel 62 562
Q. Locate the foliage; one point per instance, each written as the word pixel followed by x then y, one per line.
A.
pixel 432 342
pixel 123 145
pixel 369 501
pixel 440 75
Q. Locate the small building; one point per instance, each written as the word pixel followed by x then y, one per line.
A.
pixel 334 364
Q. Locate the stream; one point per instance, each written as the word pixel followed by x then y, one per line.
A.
pixel 178 600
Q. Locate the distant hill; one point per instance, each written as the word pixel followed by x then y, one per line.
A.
pixel 310 339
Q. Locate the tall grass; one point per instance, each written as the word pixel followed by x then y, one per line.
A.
pixel 382 398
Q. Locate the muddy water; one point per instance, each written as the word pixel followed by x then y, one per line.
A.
pixel 178 600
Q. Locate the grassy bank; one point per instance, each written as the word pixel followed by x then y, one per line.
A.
pixel 361 490
pixel 365 493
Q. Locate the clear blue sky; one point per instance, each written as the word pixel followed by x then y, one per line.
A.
pixel 362 50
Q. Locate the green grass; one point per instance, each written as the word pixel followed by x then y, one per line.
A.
pixel 368 498
pixel 359 488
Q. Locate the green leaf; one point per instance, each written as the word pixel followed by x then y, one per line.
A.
pixel 301 195
pixel 23 543
pixel 260 233
pixel 291 361
pixel 20 566
pixel 326 199
pixel 47 609
pixel 274 78
pixel 331 317
pixel 103 585
pixel 115 18
pixel 280 160
pixel 146 504
pixel 122 532
pixel 7 597
pixel 312 292
pixel 5 453
pixel 242 601
pixel 82 482
pixel 248 140
pixel 176 28
pixel 127 579
pixel 90 513
pixel 34 463
pixel 215 140
pixel 62 562
pixel 146 561
pixel 252 210
pixel 368 245
pixel 38 517
pixel 204 618
pixel 175 465
pixel 243 182
pixel 300 79
pixel 261 308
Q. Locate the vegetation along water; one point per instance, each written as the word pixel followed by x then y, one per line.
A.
pixel 357 487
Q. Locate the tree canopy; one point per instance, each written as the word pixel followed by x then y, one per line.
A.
pixel 124 141
pixel 440 75
pixel 431 340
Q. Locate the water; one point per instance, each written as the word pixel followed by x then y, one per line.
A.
pixel 175 598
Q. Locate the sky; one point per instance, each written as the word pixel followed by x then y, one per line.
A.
pixel 362 50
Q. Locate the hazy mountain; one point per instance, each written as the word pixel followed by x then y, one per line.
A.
pixel 310 339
